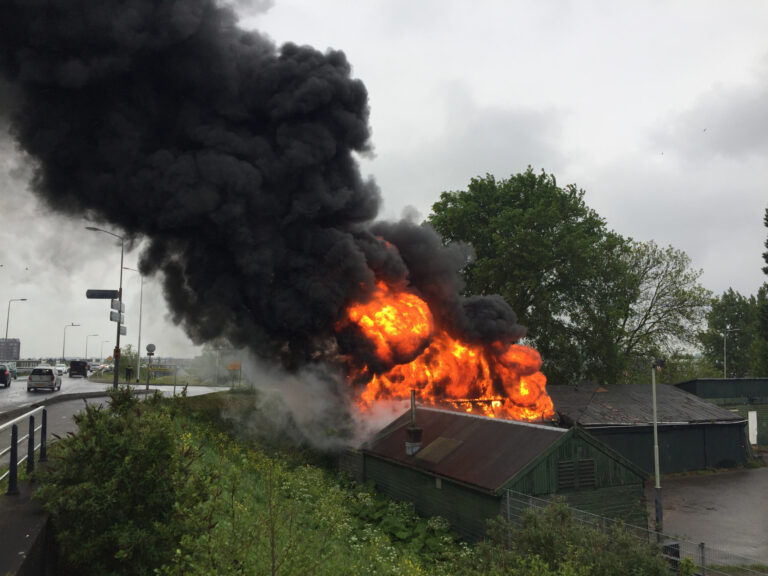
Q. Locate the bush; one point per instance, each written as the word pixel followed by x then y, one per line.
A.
pixel 116 490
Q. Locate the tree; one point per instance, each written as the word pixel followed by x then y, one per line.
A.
pixel 592 300
pixel 731 329
pixel 765 254
pixel 759 349
pixel 667 305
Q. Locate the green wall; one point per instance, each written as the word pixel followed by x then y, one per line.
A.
pixel 681 448
pixel 615 490
pixel 466 509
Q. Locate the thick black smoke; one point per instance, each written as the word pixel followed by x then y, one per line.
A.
pixel 235 160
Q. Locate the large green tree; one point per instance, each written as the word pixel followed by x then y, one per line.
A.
pixel 592 300
pixel 731 329
pixel 667 305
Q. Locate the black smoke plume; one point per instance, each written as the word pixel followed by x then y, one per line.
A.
pixel 235 159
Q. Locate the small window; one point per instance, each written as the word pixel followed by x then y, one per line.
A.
pixel 575 474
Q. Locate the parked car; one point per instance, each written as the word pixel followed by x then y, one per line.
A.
pixel 78 368
pixel 43 377
pixel 5 375
pixel 61 368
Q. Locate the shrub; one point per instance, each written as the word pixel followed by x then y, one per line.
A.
pixel 116 490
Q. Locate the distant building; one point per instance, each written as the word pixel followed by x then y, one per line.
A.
pixel 748 397
pixel 693 434
pixel 10 348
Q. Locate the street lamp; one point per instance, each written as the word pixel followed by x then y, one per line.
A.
pixel 8 315
pixel 119 297
pixel 64 343
pixel 86 344
pixel 101 351
pixel 141 301
pixel 657 365
pixel 725 340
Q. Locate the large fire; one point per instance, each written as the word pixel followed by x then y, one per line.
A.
pixel 492 380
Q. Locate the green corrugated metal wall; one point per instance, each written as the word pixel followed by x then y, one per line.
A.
pixel 467 510
pixel 618 490
pixel 742 394
pixel 743 408
pixel 681 448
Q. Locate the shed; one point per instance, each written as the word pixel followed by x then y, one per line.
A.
pixel 468 462
pixel 748 397
pixel 693 434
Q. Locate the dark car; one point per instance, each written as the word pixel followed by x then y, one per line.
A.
pixel 5 375
pixel 78 368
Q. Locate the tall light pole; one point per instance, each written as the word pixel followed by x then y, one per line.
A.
pixel 141 302
pixel 86 344
pixel 8 315
pixel 725 356
pixel 657 365
pixel 119 297
pixel 64 343
pixel 101 351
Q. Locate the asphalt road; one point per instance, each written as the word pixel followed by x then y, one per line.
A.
pixel 16 396
pixel 726 509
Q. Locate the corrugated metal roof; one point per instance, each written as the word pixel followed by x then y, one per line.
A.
pixel 483 452
pixel 630 404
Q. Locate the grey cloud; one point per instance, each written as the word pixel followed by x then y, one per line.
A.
pixel 726 121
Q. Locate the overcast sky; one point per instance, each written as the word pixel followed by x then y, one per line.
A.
pixel 658 110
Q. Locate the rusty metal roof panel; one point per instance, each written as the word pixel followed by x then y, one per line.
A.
pixel 630 404
pixel 484 452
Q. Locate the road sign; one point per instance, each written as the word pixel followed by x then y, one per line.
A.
pixel 116 316
pixel 117 305
pixel 234 366
pixel 123 330
pixel 102 294
pixel 150 348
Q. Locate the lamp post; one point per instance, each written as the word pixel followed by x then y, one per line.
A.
pixel 725 356
pixel 657 365
pixel 119 297
pixel 101 351
pixel 141 302
pixel 86 344
pixel 64 343
pixel 8 315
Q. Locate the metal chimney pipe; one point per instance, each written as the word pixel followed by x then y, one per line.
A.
pixel 413 433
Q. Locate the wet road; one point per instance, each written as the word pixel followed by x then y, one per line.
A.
pixel 725 509
pixel 16 396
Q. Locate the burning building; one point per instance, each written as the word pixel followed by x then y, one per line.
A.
pixel 461 466
pixel 234 162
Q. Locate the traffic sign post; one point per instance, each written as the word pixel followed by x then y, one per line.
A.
pixel 150 353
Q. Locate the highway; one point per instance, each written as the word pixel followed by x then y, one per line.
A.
pixel 16 397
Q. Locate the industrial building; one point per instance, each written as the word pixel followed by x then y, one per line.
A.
pixel 10 349
pixel 748 397
pixel 693 434
pixel 459 466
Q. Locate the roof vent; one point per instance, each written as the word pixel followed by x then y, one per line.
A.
pixel 413 433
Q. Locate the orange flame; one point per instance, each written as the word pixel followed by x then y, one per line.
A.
pixel 493 380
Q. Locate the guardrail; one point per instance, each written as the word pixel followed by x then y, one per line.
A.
pixel 13 447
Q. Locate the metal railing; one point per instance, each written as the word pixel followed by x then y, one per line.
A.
pixel 708 560
pixel 12 448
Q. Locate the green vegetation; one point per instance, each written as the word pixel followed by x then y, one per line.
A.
pixel 162 487
pixel 598 306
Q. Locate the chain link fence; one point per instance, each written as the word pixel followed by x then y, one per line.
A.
pixel 708 560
